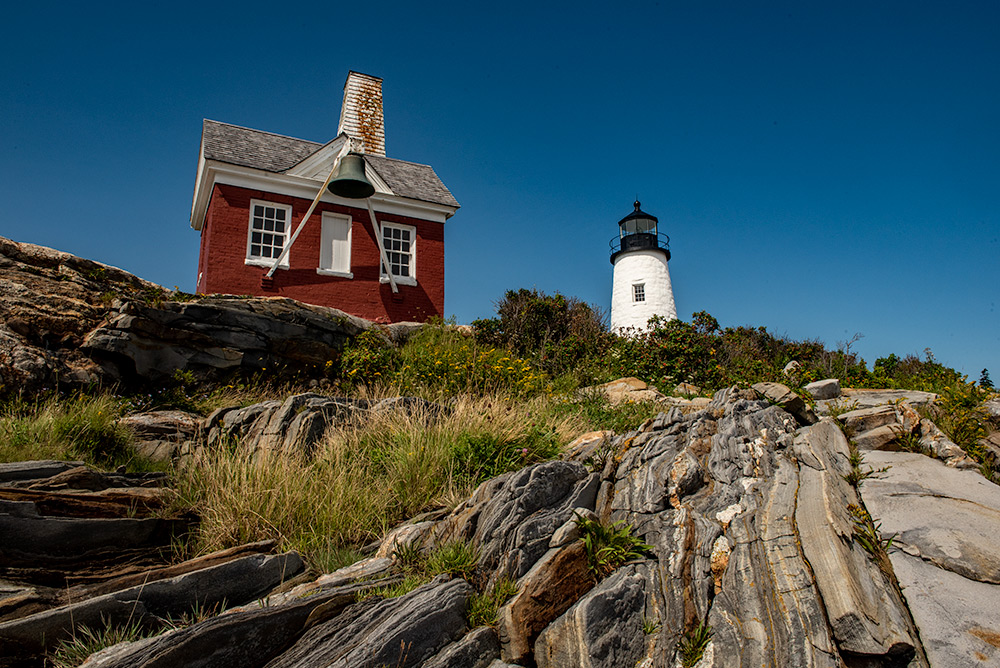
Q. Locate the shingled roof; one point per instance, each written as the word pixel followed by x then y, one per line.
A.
pixel 270 152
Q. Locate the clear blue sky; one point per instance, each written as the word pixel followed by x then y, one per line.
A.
pixel 821 171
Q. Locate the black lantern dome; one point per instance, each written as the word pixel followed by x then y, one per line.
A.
pixel 638 231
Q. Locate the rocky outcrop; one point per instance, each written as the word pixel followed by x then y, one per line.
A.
pixel 824 389
pixel 291 427
pixel 633 390
pixel 944 526
pixel 65 320
pixel 85 548
pixel 755 532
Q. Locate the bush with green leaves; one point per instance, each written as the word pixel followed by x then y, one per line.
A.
pixel 479 457
pixel 482 607
pixel 370 359
pixel 692 645
pixel 598 413
pixel 609 546
pixel 558 334
pixel 959 413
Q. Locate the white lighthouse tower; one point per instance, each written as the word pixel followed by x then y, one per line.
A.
pixel 641 280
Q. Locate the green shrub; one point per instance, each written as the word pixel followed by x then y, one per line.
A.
pixel 457 558
pixel 87 640
pixel 370 359
pixel 558 334
pixel 479 457
pixel 959 413
pixel 692 646
pixel 482 608
pixel 598 412
pixel 609 546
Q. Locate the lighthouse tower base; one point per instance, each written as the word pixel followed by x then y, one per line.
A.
pixel 641 290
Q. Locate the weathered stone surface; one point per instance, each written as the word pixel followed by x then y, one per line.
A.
pixel 865 419
pixel 513 516
pixel 629 389
pixel 86 478
pixel 232 582
pixel 33 470
pixel 293 427
pixel 243 638
pixel 947 517
pixel 570 531
pixel 824 389
pixel 992 408
pixel 370 569
pixel 69 543
pixel 162 436
pixel 865 612
pixel 878 438
pixel 776 393
pixel 403 632
pixel 603 629
pixel 869 398
pixel 114 502
pixel 937 443
pixel 129 576
pixel 552 585
pixel 57 325
pixel 958 618
pixel 478 649
pixel 586 446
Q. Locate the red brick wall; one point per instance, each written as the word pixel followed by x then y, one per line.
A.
pixel 224 246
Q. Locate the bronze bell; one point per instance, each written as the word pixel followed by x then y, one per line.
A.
pixel 350 181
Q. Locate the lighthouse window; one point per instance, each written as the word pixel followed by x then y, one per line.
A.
pixel 267 232
pixel 639 292
pixel 399 242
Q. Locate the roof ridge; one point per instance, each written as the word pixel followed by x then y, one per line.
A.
pixel 265 132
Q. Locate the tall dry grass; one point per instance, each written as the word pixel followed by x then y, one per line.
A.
pixel 365 477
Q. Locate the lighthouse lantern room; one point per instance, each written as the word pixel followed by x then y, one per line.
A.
pixel 641 286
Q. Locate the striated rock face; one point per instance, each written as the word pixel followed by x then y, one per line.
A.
pixel 755 531
pixel 71 321
pixel 947 560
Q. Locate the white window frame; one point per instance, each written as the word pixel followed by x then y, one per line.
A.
pixel 401 280
pixel 323 271
pixel 638 290
pixel 260 261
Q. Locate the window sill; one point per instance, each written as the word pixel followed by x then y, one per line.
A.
pixel 400 280
pixel 263 262
pixel 338 274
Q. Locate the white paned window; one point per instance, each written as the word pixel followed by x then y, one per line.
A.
pixel 268 232
pixel 639 292
pixel 399 242
pixel 335 246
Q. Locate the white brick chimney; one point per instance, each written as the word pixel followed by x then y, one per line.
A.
pixel 361 114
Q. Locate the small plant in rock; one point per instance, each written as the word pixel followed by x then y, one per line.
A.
pixel 408 555
pixel 457 558
pixel 692 646
pixel 868 534
pixel 609 546
pixel 650 625
pixel 989 473
pixel 482 608
pixel 86 640
pixel 856 475
pixel 837 408
pixel 910 442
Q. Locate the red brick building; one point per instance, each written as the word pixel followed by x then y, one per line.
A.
pixel 253 188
